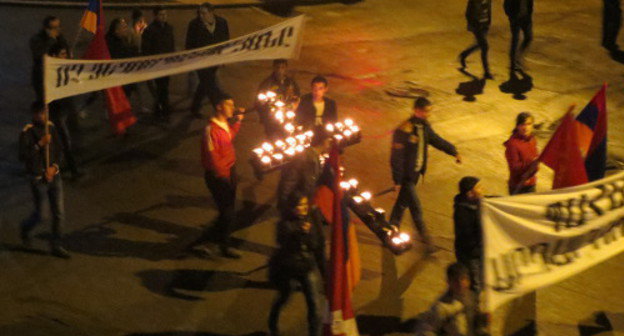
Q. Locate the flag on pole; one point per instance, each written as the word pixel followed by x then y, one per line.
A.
pixel 563 155
pixel 119 110
pixel 591 128
pixel 340 320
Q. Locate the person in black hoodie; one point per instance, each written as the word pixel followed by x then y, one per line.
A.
pixel 204 30
pixel 300 253
pixel 49 35
pixel 158 39
pixel 520 15
pixel 468 234
pixel 479 17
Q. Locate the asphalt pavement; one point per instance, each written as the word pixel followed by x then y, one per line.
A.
pixel 144 200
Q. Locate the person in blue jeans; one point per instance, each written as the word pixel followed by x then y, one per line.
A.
pixel 301 252
pixel 44 176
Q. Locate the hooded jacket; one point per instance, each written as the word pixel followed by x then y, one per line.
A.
pixel 520 152
pixel 467 223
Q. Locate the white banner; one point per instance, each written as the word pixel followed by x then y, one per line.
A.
pixel 532 241
pixel 66 77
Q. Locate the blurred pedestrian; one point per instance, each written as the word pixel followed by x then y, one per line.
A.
pixel 456 312
pixel 408 160
pixel 611 23
pixel 206 29
pixel 479 17
pixel 315 108
pixel 120 46
pixel 42 154
pixel 301 176
pixel 467 224
pixel 521 153
pixel 287 91
pixel 136 32
pixel 218 160
pixel 520 15
pixel 62 113
pixel 158 39
pixel 300 258
pixel 39 45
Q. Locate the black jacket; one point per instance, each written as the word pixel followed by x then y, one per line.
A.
pixel 301 175
pixel 479 14
pixel 120 48
pixel 197 35
pixel 404 152
pixel 518 9
pixel 306 112
pixel 468 235
pixel 298 251
pixel 34 156
pixel 157 39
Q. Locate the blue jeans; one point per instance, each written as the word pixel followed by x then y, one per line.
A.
pixel 409 199
pixel 54 192
pixel 310 286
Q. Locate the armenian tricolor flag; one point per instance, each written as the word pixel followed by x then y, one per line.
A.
pixel 91 16
pixel 591 129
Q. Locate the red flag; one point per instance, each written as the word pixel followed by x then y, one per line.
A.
pixel 341 318
pixel 119 110
pixel 563 155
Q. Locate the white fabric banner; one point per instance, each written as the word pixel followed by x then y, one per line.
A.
pixel 535 240
pixel 66 77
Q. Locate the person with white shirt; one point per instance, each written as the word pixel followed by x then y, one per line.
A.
pixel 206 29
pixel 314 108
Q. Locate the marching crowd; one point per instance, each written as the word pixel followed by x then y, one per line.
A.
pixel 45 148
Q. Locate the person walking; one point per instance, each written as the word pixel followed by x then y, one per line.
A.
pixel 479 17
pixel 300 258
pixel 219 159
pixel 408 160
pixel 467 225
pixel 521 154
pixel 41 152
pixel 158 39
pixel 520 15
pixel 40 44
pixel 204 30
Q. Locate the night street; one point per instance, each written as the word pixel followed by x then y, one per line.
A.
pixel 143 199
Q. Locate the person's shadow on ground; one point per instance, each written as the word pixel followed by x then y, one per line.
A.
pixel 470 88
pixel 517 85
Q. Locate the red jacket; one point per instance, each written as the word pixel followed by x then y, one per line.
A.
pixel 520 153
pixel 217 149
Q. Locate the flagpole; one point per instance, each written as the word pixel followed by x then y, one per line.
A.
pixel 527 173
pixel 47 114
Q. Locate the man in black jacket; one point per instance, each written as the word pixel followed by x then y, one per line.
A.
pixel 479 17
pixel 519 13
pixel 44 176
pixel 303 173
pixel 158 39
pixel 408 160
pixel 206 29
pixel 39 45
pixel 314 108
pixel 287 91
pixel 611 23
pixel 301 252
pixel 468 234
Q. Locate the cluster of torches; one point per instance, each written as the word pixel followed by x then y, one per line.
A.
pixel 275 154
pixel 374 218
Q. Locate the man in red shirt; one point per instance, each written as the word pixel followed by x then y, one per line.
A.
pixel 218 160
pixel 521 153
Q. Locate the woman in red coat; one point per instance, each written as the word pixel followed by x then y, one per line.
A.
pixel 521 153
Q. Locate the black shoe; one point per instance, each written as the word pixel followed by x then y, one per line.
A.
pixel 462 61
pixel 230 253
pixel 488 75
pixel 60 252
pixel 203 251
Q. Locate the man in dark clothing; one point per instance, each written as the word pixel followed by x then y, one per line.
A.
pixel 303 173
pixel 61 112
pixel 39 45
pixel 314 108
pixel 519 13
pixel 206 29
pixel 611 23
pixel 468 234
pixel 287 91
pixel 408 160
pixel 44 176
pixel 158 39
pixel 479 17
pixel 301 251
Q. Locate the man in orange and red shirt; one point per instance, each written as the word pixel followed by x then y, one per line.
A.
pixel 218 159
